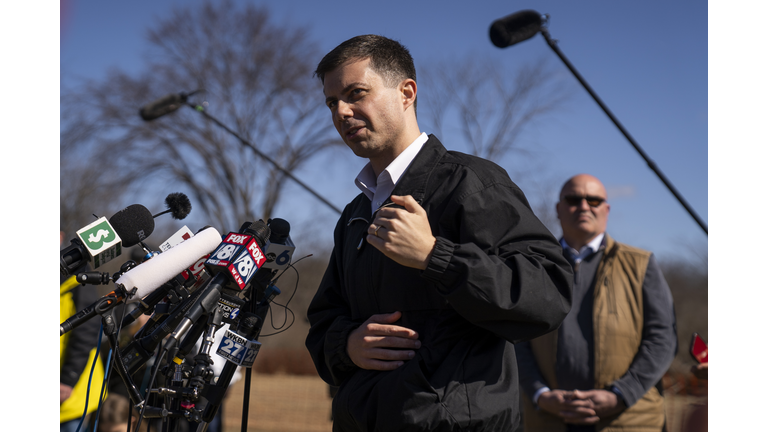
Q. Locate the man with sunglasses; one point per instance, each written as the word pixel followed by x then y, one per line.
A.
pixel 602 369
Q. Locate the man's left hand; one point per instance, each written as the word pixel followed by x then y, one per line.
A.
pixel 404 235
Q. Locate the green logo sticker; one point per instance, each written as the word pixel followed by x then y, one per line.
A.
pixel 98 235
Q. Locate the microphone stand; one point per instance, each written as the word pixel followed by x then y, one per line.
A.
pixel 553 44
pixel 245 142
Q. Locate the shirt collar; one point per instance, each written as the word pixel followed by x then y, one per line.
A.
pixel 586 250
pixel 367 183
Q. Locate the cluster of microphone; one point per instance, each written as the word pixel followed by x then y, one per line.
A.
pixel 196 285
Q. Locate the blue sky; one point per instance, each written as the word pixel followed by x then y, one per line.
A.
pixel 649 68
pixel 657 65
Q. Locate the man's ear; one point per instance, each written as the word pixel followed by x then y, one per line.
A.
pixel 408 90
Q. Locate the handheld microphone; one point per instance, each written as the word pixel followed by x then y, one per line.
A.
pixel 240 341
pixel 143 346
pixel 233 264
pixel 172 291
pixel 151 274
pixel 515 28
pixel 103 240
pixel 95 244
pixel 239 348
pixel 135 224
pixel 279 250
pixel 163 106
pixel 145 278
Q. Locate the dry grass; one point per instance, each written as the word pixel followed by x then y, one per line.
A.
pixel 280 403
pixel 301 403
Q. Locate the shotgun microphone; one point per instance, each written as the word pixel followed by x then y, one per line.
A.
pixel 515 28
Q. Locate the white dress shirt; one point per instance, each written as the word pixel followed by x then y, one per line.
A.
pixel 379 189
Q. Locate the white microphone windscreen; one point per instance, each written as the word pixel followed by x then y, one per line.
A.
pixel 150 275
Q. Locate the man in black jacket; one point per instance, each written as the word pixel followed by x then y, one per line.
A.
pixel 439 266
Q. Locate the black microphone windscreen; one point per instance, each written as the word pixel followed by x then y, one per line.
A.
pixel 515 28
pixel 162 106
pixel 179 205
pixel 259 230
pixel 280 229
pixel 133 224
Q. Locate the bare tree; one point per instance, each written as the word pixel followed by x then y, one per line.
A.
pixel 471 96
pixel 253 75
pixel 86 187
pixel 477 103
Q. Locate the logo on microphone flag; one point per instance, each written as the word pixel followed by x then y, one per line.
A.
pixel 102 241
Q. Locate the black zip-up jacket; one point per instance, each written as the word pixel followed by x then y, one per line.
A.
pixel 496 277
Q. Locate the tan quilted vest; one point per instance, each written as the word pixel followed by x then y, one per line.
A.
pixel 618 325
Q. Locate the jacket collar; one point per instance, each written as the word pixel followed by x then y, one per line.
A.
pixel 413 181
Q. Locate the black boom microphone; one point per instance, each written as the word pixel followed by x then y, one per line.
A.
pixel 524 25
pixel 515 28
pixel 163 106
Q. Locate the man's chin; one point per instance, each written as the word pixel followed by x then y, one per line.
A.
pixel 361 149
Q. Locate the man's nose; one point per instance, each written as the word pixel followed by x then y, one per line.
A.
pixel 343 110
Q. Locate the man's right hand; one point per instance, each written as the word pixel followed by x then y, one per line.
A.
pixel 379 345
pixel 563 404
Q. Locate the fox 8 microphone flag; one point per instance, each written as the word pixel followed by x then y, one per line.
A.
pixel 239 255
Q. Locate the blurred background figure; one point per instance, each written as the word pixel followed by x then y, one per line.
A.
pixel 700 370
pixel 602 369
pixel 77 353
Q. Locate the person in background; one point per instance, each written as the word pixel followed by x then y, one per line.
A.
pixel 700 371
pixel 77 354
pixel 602 369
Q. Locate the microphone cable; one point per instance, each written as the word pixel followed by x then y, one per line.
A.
pixel 107 376
pixel 90 379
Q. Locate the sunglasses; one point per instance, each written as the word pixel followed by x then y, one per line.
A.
pixel 574 200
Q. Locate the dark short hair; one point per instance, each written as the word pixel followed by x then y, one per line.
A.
pixel 389 58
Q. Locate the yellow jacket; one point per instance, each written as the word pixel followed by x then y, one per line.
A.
pixel 73 407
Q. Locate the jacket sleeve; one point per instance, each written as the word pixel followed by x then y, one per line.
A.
pixel 330 322
pixel 531 379
pixel 499 266
pixel 659 341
